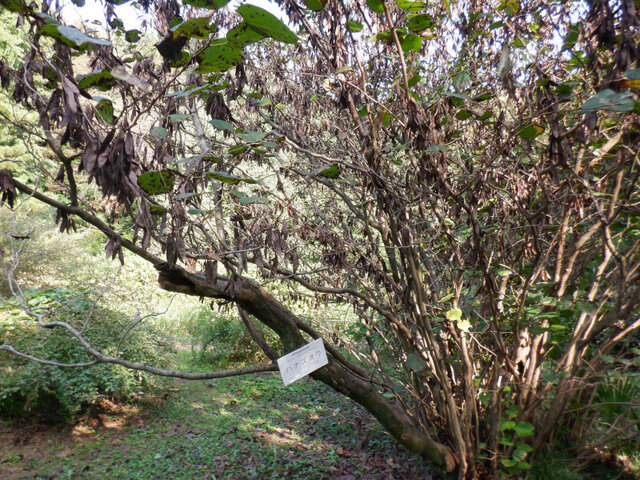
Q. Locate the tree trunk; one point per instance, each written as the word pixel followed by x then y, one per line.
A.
pixel 254 299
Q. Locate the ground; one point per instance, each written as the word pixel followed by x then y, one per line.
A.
pixel 239 428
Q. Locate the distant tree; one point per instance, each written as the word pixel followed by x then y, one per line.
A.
pixel 463 174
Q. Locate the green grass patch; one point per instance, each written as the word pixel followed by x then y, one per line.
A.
pixel 236 428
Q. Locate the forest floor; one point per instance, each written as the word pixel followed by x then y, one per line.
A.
pixel 237 428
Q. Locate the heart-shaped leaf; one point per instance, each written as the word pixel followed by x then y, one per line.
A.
pixel 523 429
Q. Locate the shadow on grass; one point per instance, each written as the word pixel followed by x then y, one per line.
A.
pixel 239 428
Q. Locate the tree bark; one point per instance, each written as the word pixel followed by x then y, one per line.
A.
pixel 255 300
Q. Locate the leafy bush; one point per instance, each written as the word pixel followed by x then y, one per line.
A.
pixel 223 340
pixel 57 393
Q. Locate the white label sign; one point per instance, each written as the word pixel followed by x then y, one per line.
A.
pixel 295 365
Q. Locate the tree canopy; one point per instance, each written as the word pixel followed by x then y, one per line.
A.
pixel 463 174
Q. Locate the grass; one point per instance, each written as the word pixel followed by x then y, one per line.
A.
pixel 237 428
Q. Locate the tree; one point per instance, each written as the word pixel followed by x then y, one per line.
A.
pixel 465 175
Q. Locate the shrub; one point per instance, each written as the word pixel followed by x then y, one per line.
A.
pixel 56 393
pixel 223 340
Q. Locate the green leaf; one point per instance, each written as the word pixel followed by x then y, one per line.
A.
pixel 461 79
pixel 243 34
pixel 530 131
pixel 376 6
pixel 572 37
pixel 512 411
pixel 252 137
pixel 557 327
pixel 414 80
pixel 464 325
pixel 354 26
pixel 385 37
pixel 436 148
pixel 507 462
pixel 194 28
pixel 156 181
pixel 238 149
pixel 633 74
pixel 460 96
pixel 159 132
pixel 485 116
pixel 507 424
pixel 249 200
pixel 330 172
pixel 178 117
pixel 227 178
pixel 104 108
pixel 70 36
pixel 420 22
pixel 209 4
pixel 14 5
pixel 103 80
pixel 411 43
pixel 411 5
pixel 463 114
pixel 46 19
pixel 219 58
pixel 454 314
pixel 609 100
pixel 525 448
pixel 506 441
pixel 415 362
pixel 518 454
pixel 586 307
pixel 483 96
pixel 267 23
pixel 523 429
pixel 315 5
pixel 222 125
pixel 132 36
pixel 263 102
